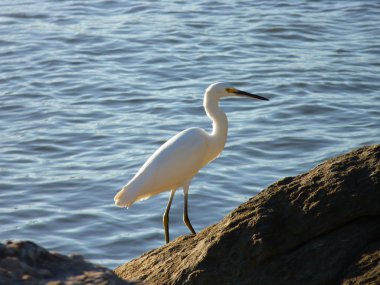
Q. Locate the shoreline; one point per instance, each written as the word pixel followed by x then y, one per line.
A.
pixel 320 227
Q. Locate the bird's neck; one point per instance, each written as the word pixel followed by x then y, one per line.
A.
pixel 219 123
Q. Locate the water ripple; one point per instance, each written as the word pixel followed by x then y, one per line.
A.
pixel 90 89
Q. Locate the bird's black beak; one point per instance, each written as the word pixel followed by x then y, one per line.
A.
pixel 246 94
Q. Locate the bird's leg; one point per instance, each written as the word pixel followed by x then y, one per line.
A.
pixel 185 215
pixel 166 216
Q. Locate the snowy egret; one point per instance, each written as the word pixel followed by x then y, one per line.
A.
pixel 177 161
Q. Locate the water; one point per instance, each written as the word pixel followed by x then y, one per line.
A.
pixel 89 89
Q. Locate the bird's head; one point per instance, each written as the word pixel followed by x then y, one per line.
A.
pixel 223 89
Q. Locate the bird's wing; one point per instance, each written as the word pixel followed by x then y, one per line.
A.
pixel 174 163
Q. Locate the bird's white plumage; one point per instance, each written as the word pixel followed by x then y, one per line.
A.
pixel 171 165
pixel 176 162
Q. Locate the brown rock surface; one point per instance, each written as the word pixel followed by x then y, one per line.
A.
pixel 25 263
pixel 321 227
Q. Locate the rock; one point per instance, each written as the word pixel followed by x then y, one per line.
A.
pixel 366 268
pixel 321 227
pixel 26 263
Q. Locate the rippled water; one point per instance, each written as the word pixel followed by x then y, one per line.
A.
pixel 89 89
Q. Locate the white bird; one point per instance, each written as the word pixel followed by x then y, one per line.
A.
pixel 177 161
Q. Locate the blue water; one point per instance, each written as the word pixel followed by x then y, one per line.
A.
pixel 89 89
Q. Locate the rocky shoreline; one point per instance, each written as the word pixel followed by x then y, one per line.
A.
pixel 320 227
pixel 24 262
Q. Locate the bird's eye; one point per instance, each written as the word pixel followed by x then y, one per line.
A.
pixel 231 90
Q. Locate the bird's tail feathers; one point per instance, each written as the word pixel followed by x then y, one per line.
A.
pixel 124 198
